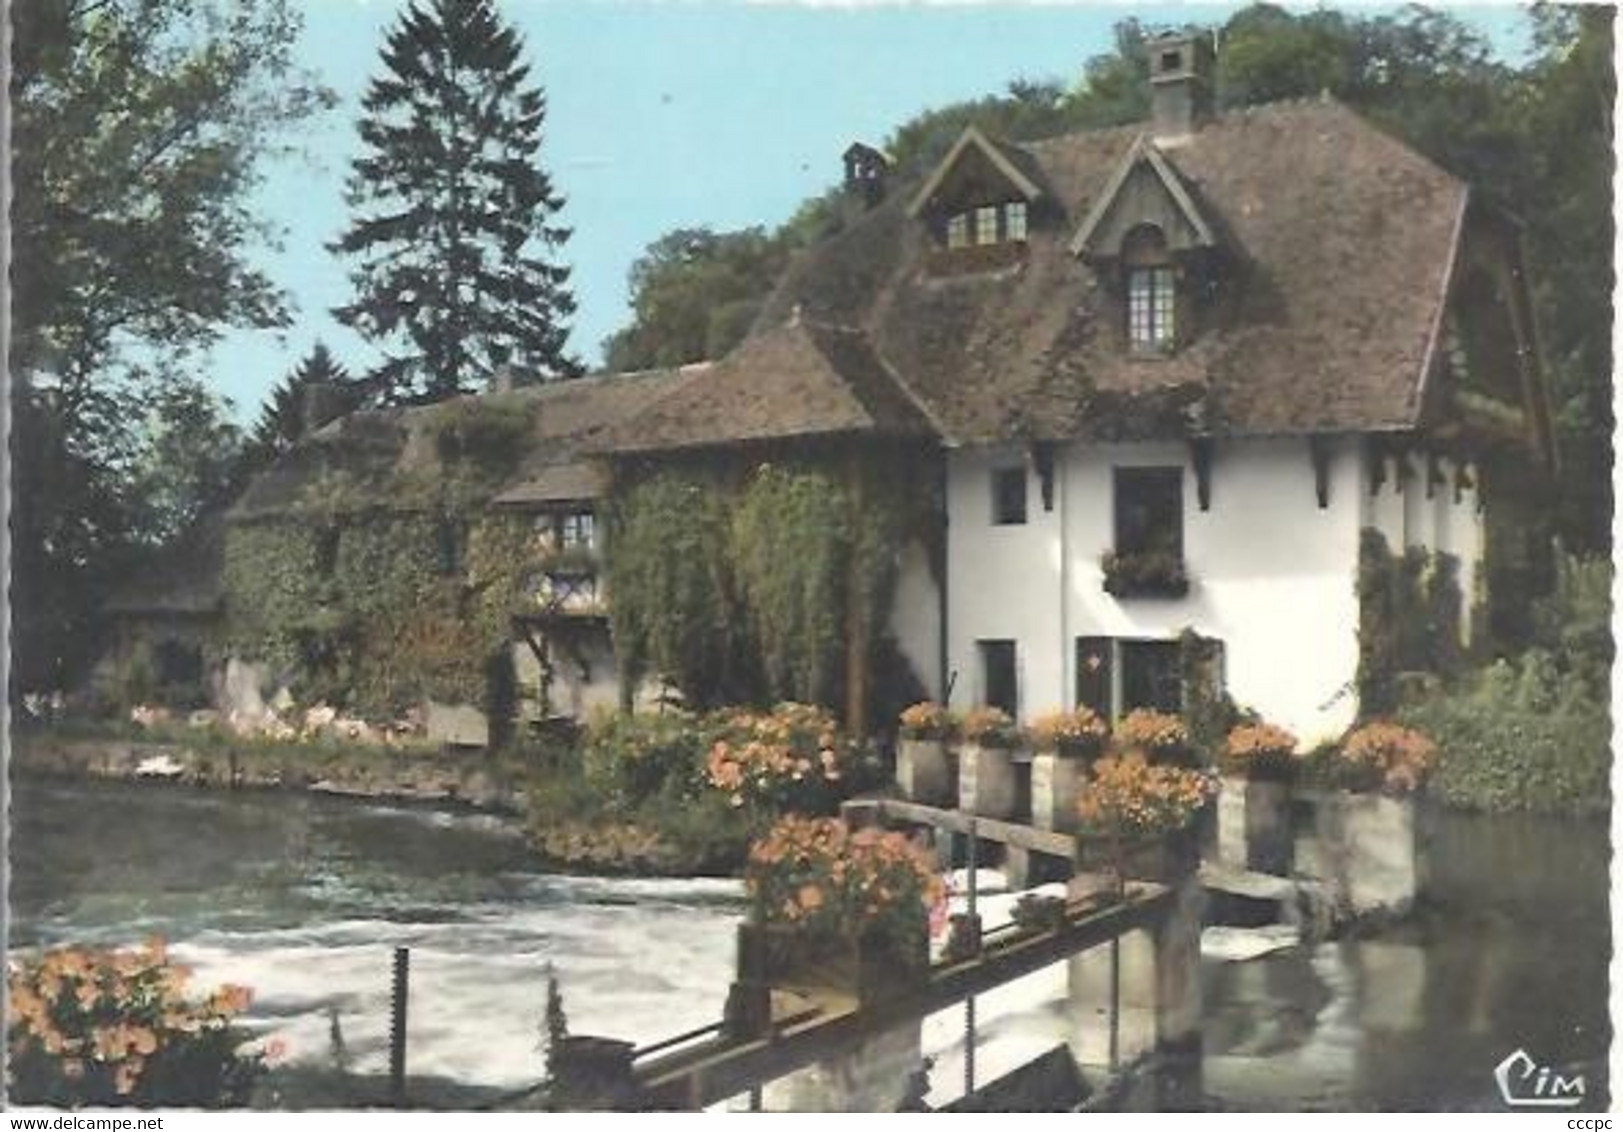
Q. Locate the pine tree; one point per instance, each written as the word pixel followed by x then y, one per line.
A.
pixel 283 421
pixel 453 227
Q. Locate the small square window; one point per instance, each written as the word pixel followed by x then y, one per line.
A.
pixel 958 230
pixel 986 224
pixel 1009 496
pixel 1149 511
pixel 1014 220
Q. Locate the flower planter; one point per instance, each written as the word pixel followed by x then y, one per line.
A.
pixel 1254 824
pixel 1054 782
pixel 1368 854
pixel 925 771
pixel 987 784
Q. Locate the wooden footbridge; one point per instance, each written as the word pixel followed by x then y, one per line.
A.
pixel 800 1027
pixel 695 1070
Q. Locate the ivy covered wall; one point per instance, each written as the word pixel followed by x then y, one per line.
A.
pixel 375 612
pixel 376 577
pixel 767 580
pixel 1409 619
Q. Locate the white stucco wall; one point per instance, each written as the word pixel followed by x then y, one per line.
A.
pixel 915 617
pixel 1272 574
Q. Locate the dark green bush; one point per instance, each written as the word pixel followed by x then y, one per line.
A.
pixel 1521 735
pixel 630 760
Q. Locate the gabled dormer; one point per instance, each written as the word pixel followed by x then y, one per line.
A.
pixel 978 205
pixel 1150 243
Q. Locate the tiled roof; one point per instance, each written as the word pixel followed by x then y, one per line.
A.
pixel 1336 241
pixel 799 378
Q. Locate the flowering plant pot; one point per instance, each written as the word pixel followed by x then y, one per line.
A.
pixel 1157 735
pixel 1078 734
pixel 825 895
pixel 1139 819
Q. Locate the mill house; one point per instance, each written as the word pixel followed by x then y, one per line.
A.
pixel 1159 378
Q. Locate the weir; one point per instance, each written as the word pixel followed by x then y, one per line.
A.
pixel 1133 954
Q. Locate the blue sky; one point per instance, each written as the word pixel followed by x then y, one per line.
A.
pixel 665 115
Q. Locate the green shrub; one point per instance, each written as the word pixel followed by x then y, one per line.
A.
pixel 629 760
pixel 1519 736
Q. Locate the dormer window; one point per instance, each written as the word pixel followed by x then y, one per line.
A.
pixel 987 224
pixel 1152 294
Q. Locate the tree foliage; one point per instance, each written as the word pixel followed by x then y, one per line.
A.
pixel 283 419
pixel 694 294
pixel 454 231
pixel 140 128
pixel 772 584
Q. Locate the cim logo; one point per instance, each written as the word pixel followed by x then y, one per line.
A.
pixel 1524 1083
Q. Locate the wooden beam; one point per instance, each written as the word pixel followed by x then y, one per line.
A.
pixel 1028 837
pixel 1319 449
pixel 712 1071
pixel 1200 455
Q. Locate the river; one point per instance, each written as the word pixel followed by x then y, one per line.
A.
pixel 303 899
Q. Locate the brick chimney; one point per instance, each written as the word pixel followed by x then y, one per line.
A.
pixel 1180 84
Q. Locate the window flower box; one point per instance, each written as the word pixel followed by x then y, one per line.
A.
pixel 1151 574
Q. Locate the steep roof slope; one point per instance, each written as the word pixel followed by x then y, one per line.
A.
pixel 1337 242
pixel 799 378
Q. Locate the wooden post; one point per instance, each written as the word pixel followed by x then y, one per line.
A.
pixel 397 1027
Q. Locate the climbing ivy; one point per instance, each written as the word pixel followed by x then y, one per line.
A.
pixel 672 605
pixel 792 539
pixel 378 622
pixel 1408 618
pixel 765 582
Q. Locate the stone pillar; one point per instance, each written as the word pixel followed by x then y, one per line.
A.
pixel 871 1075
pixel 923 771
pixel 1369 854
pixel 986 781
pixel 1017 867
pixel 1054 782
pixel 1089 977
pixel 1177 969
pixel 1254 825
pixel 1157 986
